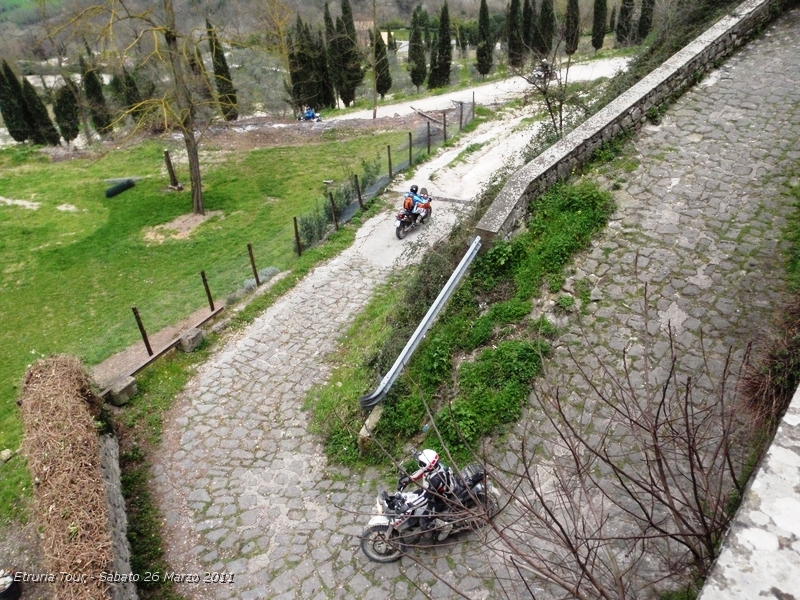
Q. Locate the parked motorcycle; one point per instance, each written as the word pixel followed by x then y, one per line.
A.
pixel 310 116
pixel 406 220
pixel 390 532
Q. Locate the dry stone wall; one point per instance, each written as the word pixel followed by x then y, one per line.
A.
pixel 117 518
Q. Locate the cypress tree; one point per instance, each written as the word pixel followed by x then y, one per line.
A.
pixel 646 18
pixel 303 71
pixel 226 93
pixel 133 98
pixel 537 37
pixel 12 105
pixel 599 24
pixel 352 73
pixel 42 129
pixel 427 37
pixel 416 52
pixel 349 22
pixel 547 27
pixel 333 52
pixel 444 54
pixel 612 23
pixel 384 81
pixel 433 73
pixel 624 22
pixel 295 69
pixel 326 94
pixel 516 48
pixel 527 25
pixel 115 86
pixel 93 88
pixel 66 111
pixel 572 33
pixel 485 50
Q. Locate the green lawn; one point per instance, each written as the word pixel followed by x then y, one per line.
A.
pixel 73 267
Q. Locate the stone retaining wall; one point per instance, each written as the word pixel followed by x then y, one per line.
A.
pixel 625 113
pixel 118 520
pixel 760 556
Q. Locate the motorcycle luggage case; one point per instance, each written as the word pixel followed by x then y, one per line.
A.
pixel 473 474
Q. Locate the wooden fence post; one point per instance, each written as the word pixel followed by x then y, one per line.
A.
pixel 429 137
pixel 333 212
pixel 358 192
pixel 142 331
pixel 460 116
pixel 297 238
pixel 410 147
pixel 173 180
pixel 473 105
pixel 253 263
pixel 389 153
pixel 208 290
pixel 444 124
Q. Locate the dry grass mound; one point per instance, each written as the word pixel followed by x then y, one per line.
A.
pixel 62 447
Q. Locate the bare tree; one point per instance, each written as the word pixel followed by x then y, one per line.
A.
pixel 627 485
pixel 151 38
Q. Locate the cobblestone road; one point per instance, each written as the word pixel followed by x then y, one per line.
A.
pixel 245 489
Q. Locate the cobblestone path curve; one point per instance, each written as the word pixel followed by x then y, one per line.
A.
pixel 246 490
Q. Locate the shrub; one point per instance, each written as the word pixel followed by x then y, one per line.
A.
pixel 492 391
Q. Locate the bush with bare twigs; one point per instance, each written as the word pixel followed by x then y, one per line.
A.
pixel 772 380
pixel 62 447
pixel 624 481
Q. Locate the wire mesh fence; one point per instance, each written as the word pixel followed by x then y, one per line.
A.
pixel 413 148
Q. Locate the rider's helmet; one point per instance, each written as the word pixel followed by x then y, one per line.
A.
pixel 424 192
pixel 427 460
pixel 414 189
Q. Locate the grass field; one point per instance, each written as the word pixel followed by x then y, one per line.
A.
pixel 74 262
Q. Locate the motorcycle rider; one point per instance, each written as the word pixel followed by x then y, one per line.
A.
pixel 545 69
pixel 438 485
pixel 413 196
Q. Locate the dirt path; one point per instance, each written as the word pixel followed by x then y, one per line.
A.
pixel 497 92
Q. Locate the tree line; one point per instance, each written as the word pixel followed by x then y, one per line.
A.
pixel 325 64
pixel 81 98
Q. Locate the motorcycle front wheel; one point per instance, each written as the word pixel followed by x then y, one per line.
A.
pixel 377 547
pixel 401 230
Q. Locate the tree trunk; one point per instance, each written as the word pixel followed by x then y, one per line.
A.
pixel 194 172
pixel 184 108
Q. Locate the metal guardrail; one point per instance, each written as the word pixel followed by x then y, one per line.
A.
pixel 380 392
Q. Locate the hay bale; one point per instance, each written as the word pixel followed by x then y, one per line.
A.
pixel 62 447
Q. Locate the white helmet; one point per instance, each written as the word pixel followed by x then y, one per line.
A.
pixel 427 460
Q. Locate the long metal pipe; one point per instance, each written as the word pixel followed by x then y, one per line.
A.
pixel 380 392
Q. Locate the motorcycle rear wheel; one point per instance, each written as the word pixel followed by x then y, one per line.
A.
pixel 377 547
pixel 401 230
